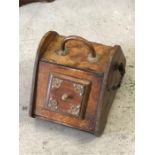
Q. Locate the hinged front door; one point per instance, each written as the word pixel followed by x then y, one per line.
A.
pixel 67 95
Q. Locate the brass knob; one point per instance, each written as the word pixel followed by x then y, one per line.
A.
pixel 64 97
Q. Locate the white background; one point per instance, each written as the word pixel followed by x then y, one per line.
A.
pixel 145 77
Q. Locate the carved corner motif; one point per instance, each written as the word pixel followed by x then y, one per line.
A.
pixel 52 104
pixel 78 88
pixel 56 83
pixel 74 110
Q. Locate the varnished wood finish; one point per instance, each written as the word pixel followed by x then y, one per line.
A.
pixel 77 56
pixel 69 92
pixel 111 78
pixel 88 121
pixel 56 75
pixel 45 41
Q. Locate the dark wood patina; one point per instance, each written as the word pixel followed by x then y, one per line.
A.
pixel 75 81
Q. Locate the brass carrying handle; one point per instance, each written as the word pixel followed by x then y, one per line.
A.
pixel 92 57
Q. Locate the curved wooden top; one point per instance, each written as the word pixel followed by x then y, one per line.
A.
pixel 77 54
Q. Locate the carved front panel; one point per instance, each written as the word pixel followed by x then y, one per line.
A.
pixel 67 95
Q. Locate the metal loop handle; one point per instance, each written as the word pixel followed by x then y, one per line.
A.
pixel 92 54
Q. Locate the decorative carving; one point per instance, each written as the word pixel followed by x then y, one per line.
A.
pixel 64 95
pixel 78 88
pixel 56 83
pixel 52 104
pixel 74 110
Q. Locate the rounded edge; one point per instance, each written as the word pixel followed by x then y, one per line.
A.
pixel 43 44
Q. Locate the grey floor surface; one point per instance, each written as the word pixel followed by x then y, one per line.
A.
pixel 106 21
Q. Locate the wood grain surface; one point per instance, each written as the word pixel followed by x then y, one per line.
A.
pixel 100 81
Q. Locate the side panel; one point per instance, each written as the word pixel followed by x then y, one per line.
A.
pixel 111 82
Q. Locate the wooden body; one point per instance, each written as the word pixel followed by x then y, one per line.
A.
pixel 75 81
